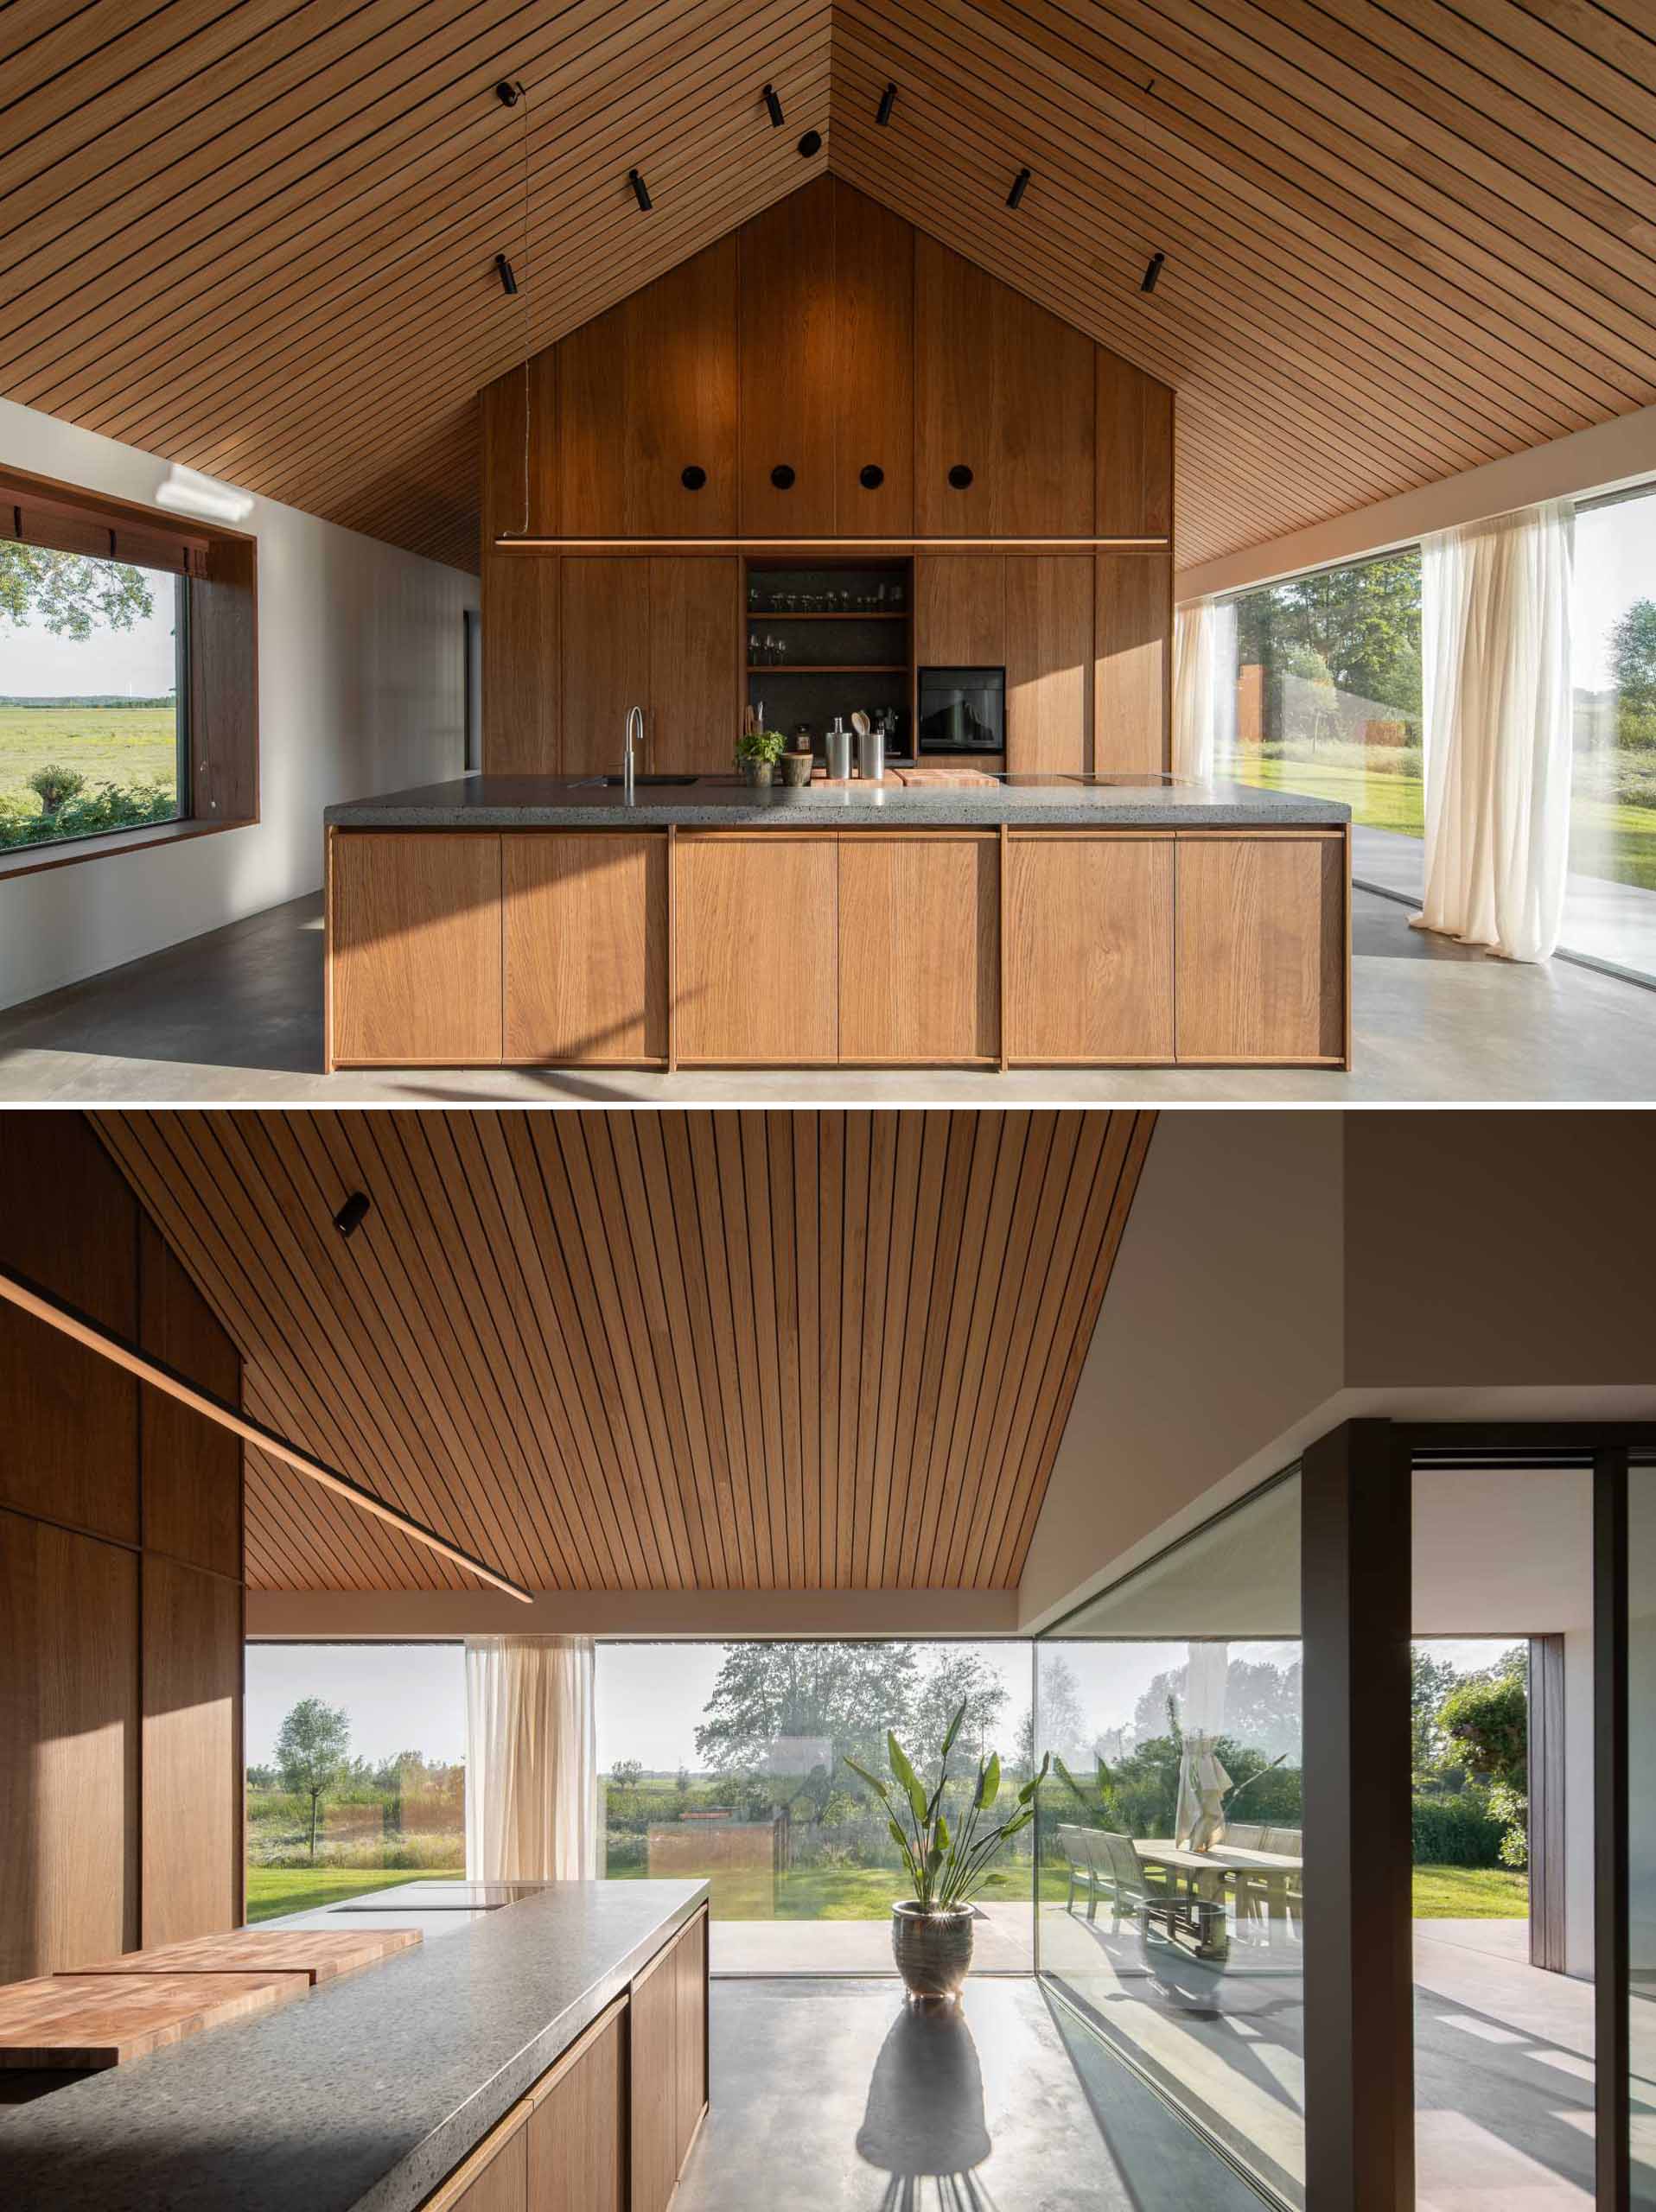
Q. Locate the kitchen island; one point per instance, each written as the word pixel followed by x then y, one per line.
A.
pixel 964 921
pixel 490 2067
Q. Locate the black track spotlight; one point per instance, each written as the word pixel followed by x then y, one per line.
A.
pixel 508 92
pixel 774 108
pixel 503 271
pixel 1152 270
pixel 888 101
pixel 351 1215
pixel 1019 184
pixel 641 192
pixel 810 145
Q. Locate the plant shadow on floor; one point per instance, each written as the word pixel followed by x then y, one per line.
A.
pixel 925 2113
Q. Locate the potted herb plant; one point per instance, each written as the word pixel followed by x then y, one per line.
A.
pixel 758 752
pixel 932 1930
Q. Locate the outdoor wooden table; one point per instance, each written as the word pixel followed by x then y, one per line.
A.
pixel 1204 1871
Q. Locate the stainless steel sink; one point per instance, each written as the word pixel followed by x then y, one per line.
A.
pixel 618 783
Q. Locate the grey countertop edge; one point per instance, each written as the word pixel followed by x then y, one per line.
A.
pixel 152 2136
pixel 1212 808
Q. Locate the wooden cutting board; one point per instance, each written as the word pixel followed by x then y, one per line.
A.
pixel 322 1954
pixel 78 2023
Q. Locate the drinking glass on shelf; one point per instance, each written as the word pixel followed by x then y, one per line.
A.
pixel 781 650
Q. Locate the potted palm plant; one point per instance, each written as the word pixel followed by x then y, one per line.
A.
pixel 930 1931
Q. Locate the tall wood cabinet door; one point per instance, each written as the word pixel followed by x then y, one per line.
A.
pixel 606 659
pixel 960 610
pixel 1132 664
pixel 592 426
pixel 873 371
pixel 69 1427
pixel 577 2130
pixel 681 399
pixel 957 395
pixel 192 1799
pixel 1048 663
pixel 919 946
pixel 697 649
pixel 1089 948
pixel 1261 948
pixel 68 1748
pixel 414 947
pixel 586 947
pixel 522 613
pixel 1044 379
pixel 788 313
pixel 652 2012
pixel 689 2037
pixel 756 952
pixel 1135 451
pixel 191 1471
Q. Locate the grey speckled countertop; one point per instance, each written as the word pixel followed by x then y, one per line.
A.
pixel 363 2095
pixel 723 803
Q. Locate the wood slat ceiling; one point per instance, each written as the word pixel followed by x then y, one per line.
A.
pixel 1401 238
pixel 652 1350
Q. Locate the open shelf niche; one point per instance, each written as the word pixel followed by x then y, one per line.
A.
pixel 833 659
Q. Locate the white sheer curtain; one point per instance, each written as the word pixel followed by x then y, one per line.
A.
pixel 1497 694
pixel 1204 686
pixel 531 1759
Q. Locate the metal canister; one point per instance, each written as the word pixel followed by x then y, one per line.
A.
pixel 871 755
pixel 837 746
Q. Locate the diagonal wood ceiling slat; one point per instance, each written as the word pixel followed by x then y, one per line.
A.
pixel 1403 239
pixel 665 1350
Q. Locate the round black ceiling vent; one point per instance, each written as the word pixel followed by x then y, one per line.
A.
pixel 810 145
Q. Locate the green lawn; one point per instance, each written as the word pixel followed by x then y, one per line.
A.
pixel 116 745
pixel 1470 1893
pixel 271 1890
pixel 839 1893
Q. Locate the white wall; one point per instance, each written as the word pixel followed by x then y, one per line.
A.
pixel 361 689
pixel 1600 460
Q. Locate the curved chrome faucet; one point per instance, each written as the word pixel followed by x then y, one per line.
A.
pixel 634 738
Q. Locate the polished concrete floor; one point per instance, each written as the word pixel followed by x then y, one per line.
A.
pixel 236 1015
pixel 836 2096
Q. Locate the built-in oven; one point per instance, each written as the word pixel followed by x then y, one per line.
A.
pixel 963 710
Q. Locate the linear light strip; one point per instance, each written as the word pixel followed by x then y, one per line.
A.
pixel 837 550
pixel 43 1306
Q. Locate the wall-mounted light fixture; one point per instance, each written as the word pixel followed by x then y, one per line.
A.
pixel 1152 270
pixel 774 108
pixel 503 271
pixel 888 101
pixel 641 192
pixel 351 1215
pixel 1019 184
pixel 44 1306
pixel 810 145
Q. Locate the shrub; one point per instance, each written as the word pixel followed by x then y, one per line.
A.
pixel 1459 1831
pixel 52 785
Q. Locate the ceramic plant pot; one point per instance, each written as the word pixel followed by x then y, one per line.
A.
pixel 757 774
pixel 796 769
pixel 932 1949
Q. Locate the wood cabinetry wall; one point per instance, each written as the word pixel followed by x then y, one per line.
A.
pixel 120 1582
pixel 824 377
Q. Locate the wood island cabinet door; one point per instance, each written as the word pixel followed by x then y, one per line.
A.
pixel 919 947
pixel 756 956
pixel 1089 952
pixel 696 646
pixel 689 2035
pixel 415 948
pixel 1261 948
pixel 653 2010
pixel 495 2179
pixel 585 947
pixel 606 627
pixel 577 2130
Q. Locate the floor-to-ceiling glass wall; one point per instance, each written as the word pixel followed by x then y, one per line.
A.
pixel 1610 903
pixel 1641 1833
pixel 730 1763
pixel 1172 1876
